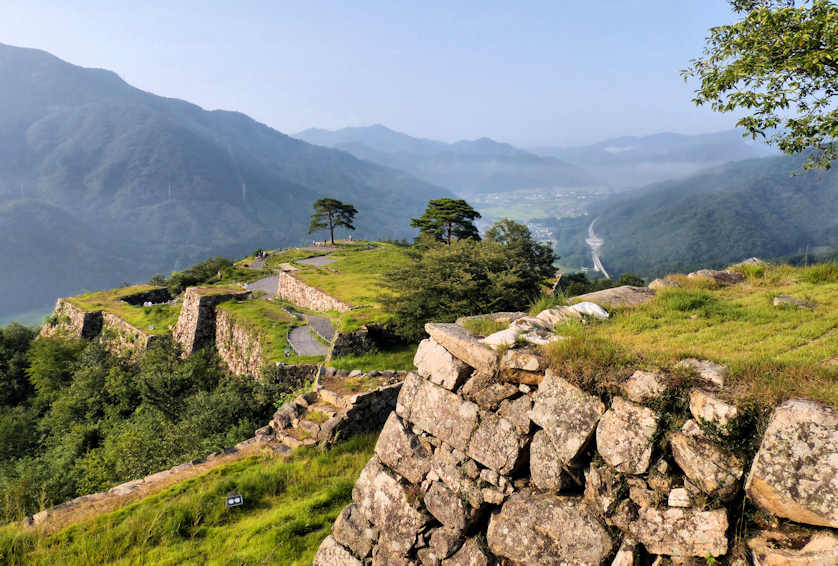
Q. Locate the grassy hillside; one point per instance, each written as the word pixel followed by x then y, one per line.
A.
pixel 289 507
pixel 774 352
pixel 116 182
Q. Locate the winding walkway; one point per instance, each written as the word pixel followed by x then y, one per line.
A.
pixel 304 343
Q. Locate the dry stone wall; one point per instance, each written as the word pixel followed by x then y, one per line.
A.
pixel 195 326
pixel 497 460
pixel 69 320
pixel 307 296
pixel 123 338
pixel 238 345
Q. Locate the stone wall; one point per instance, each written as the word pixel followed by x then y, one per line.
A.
pixel 238 345
pixel 195 326
pixel 292 289
pixel 155 296
pixel 123 338
pixel 500 460
pixel 69 320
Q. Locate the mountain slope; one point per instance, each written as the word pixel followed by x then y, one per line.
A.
pixel 634 161
pixel 162 183
pixel 761 207
pixel 465 167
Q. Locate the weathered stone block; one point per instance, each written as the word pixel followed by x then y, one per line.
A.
pixel 548 530
pixel 681 532
pixel 464 346
pixel 795 472
pixel 449 508
pixel 352 530
pixel 331 553
pixel 545 466
pixel 567 414
pixel 445 541
pixel 402 451
pixel 435 363
pixel 705 406
pixel 437 411
pixel 523 359
pixel 389 505
pixel 625 555
pixel 714 471
pixel 496 443
pixel 708 371
pixel 487 391
pixel 624 436
pixel 644 385
pixel 470 554
pixel 517 412
pixel 772 549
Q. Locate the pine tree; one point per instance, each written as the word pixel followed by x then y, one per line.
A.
pixel 329 213
pixel 448 218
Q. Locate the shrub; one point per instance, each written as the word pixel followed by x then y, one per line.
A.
pixel 821 273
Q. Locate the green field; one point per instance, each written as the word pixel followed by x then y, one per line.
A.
pixel 774 352
pixel 157 319
pixel 272 323
pixel 289 507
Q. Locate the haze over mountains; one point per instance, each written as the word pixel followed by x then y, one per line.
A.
pixel 465 167
pixel 102 183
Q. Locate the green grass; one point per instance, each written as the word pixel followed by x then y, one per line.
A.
pixel 271 322
pixel 484 326
pixel 399 358
pixel 161 317
pixel 289 507
pixel 357 277
pixel 290 256
pixel 773 352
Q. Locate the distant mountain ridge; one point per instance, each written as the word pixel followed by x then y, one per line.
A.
pixel 465 167
pixel 635 161
pixel 151 183
pixel 766 207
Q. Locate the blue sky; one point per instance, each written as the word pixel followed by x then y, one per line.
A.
pixel 554 72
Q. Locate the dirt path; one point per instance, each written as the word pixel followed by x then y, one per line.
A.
pixel 304 343
pixel 322 326
pixel 266 284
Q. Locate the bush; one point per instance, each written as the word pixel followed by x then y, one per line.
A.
pixel 821 273
pixel 200 273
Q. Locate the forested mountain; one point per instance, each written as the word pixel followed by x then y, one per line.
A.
pixel 635 161
pixel 764 207
pixel 465 167
pixel 101 182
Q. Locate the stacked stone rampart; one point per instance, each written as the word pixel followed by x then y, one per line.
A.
pixel 123 338
pixel 493 459
pixel 238 345
pixel 69 320
pixel 307 296
pixel 195 326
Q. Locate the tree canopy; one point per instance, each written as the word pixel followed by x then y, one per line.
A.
pixel 330 213
pixel 447 218
pixel 778 64
pixel 504 272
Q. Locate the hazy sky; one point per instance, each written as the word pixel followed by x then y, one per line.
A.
pixel 553 72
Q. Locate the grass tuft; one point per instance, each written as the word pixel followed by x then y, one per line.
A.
pixel 481 326
pixel 545 302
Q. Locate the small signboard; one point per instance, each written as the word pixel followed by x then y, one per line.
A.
pixel 234 500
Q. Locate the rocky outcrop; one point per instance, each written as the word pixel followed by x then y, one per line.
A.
pixel 624 296
pixel 720 277
pixel 69 320
pixel 292 289
pixel 795 472
pixel 195 326
pixel 544 472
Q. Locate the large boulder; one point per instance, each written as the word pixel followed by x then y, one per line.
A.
pixel 437 411
pixel 487 390
pixel 552 317
pixel 449 508
pixel 795 472
pixel 720 277
pixel 623 296
pixel 402 451
pixel 624 436
pixel 435 363
pixel 644 386
pixel 773 549
pixel 659 284
pixel 548 530
pixel 681 532
pixel 331 553
pixel 709 467
pixel 389 504
pixel 567 414
pixel 464 345
pixel 470 554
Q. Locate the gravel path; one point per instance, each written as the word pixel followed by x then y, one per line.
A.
pixel 304 342
pixel 317 261
pixel 322 326
pixel 266 284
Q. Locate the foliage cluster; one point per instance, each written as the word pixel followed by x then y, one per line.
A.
pixel 75 419
pixel 504 272
pixel 213 271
